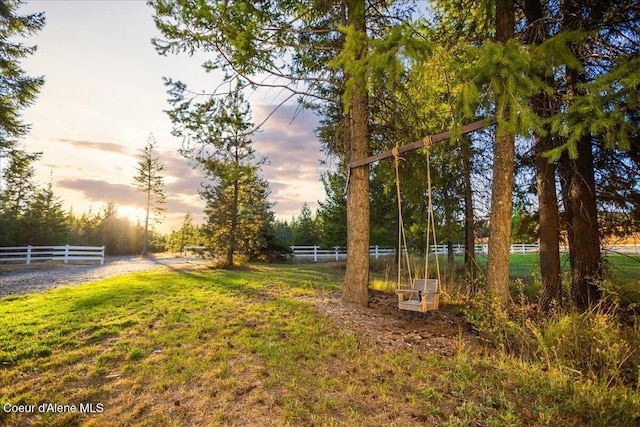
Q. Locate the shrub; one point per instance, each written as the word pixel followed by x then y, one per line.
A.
pixel 597 345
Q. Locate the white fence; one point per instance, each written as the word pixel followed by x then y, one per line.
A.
pixel 197 250
pixel 534 248
pixel 337 253
pixel 29 254
pixel 317 254
pixel 622 249
pixel 483 248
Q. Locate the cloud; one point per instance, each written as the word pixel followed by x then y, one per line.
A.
pixel 109 147
pixel 294 155
pixel 102 191
pixel 94 190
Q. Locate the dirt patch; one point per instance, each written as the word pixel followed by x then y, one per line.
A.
pixel 443 332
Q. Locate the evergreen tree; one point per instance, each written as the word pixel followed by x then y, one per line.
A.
pixel 187 235
pixel 16 193
pixel 45 221
pixel 217 131
pixel 17 90
pixel 150 182
pixel 279 241
pixel 332 212
pixel 238 215
pixel 304 228
pixel 255 217
pixel 543 104
pixel 106 229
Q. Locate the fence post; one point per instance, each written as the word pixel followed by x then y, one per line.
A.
pixel 315 253
pixel 66 254
pixel 102 259
pixel 29 254
pixel 377 252
pixel 337 253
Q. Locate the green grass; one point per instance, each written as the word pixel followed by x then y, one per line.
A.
pixel 189 348
pixel 623 271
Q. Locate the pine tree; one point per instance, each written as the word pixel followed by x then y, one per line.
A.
pixel 187 235
pixel 17 90
pixel 16 193
pixel 304 228
pixel 332 212
pixel 45 221
pixel 218 134
pixel 150 182
pixel 537 32
pixel 238 215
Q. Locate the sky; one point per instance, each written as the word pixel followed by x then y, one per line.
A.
pixel 103 96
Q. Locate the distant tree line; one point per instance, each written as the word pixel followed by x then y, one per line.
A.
pixel 31 214
pixel 34 215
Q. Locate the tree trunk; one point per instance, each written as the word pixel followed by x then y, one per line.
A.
pixel 234 210
pixel 145 237
pixel 356 281
pixel 580 192
pixel 587 269
pixel 502 188
pixel 234 224
pixel 469 227
pixel 549 232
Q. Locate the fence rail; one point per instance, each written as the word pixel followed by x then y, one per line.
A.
pixel 197 250
pixel 533 248
pixel 336 253
pixel 29 254
pixel 483 248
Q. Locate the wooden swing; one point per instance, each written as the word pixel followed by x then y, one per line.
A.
pixel 421 294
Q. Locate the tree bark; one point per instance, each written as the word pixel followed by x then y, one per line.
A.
pixel 469 217
pixel 234 208
pixel 586 271
pixel 356 280
pixel 580 191
pixel 549 232
pixel 145 236
pixel 502 187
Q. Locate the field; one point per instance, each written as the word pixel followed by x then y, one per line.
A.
pixel 266 345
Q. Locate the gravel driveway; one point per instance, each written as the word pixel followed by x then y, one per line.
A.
pixel 39 280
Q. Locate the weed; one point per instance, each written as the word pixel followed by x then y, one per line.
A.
pixel 135 353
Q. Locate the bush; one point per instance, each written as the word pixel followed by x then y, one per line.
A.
pixel 597 345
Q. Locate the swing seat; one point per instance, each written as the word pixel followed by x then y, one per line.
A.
pixel 424 296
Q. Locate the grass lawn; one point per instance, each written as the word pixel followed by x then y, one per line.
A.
pixel 621 268
pixel 205 347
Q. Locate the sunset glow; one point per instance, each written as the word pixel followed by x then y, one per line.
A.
pixel 103 95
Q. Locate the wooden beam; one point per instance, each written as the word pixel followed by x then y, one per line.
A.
pixel 419 144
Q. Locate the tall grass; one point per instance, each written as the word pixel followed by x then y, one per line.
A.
pixel 601 345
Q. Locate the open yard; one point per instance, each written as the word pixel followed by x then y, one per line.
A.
pixel 269 345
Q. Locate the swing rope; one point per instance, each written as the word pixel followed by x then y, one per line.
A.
pixel 431 225
pixel 402 239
